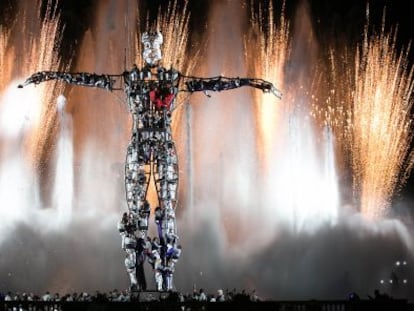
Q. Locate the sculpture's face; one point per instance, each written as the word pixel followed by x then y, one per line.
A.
pixel 152 47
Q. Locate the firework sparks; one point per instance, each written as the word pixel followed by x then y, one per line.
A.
pixel 173 24
pixel 268 61
pixel 4 35
pixel 174 27
pixel 28 119
pixel 380 125
pixel 373 92
pixel 287 139
pixel 47 57
pixel 29 44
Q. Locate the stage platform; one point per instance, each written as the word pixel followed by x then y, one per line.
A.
pixel 168 305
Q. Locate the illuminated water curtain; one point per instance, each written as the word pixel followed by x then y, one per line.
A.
pixel 151 97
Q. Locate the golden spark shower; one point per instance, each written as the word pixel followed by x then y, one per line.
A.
pixel 30 43
pixel 370 106
pixel 268 46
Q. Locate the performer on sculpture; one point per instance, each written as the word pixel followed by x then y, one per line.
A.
pixel 151 97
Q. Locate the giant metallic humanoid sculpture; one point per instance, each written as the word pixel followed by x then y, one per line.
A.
pixel 151 96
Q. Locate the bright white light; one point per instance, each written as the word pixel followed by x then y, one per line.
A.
pixel 397 263
pixel 382 281
pixel 405 281
pixel 304 182
pixel 390 281
pixel 404 263
pixel 60 103
pixel 63 186
pixel 19 111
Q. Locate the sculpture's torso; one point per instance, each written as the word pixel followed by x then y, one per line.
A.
pixel 151 94
pixel 151 152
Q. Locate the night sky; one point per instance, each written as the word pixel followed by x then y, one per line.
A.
pixel 341 19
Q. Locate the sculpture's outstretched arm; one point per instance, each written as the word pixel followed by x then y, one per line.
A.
pixel 81 78
pixel 220 83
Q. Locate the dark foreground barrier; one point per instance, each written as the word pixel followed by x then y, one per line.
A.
pixel 392 305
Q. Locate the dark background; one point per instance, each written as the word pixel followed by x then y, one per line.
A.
pixel 343 19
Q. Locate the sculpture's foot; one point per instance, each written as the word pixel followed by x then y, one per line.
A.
pixel 133 288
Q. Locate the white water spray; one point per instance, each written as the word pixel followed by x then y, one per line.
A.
pixel 63 183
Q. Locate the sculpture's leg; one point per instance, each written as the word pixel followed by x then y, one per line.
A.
pixel 158 279
pixel 141 276
pixel 137 177
pixel 166 181
pixel 130 265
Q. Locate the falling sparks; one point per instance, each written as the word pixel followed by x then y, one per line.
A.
pixel 4 34
pixel 44 48
pixel 380 128
pixel 174 27
pixel 173 24
pixel 28 119
pixel 30 44
pixel 297 171
pixel 371 104
pixel 267 50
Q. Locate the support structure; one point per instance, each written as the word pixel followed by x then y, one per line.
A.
pixel 151 98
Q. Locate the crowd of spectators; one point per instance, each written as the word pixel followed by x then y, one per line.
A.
pixel 127 296
pixel 153 296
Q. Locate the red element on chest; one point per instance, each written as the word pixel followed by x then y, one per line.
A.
pixel 161 99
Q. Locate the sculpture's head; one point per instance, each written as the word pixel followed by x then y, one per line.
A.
pixel 152 47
